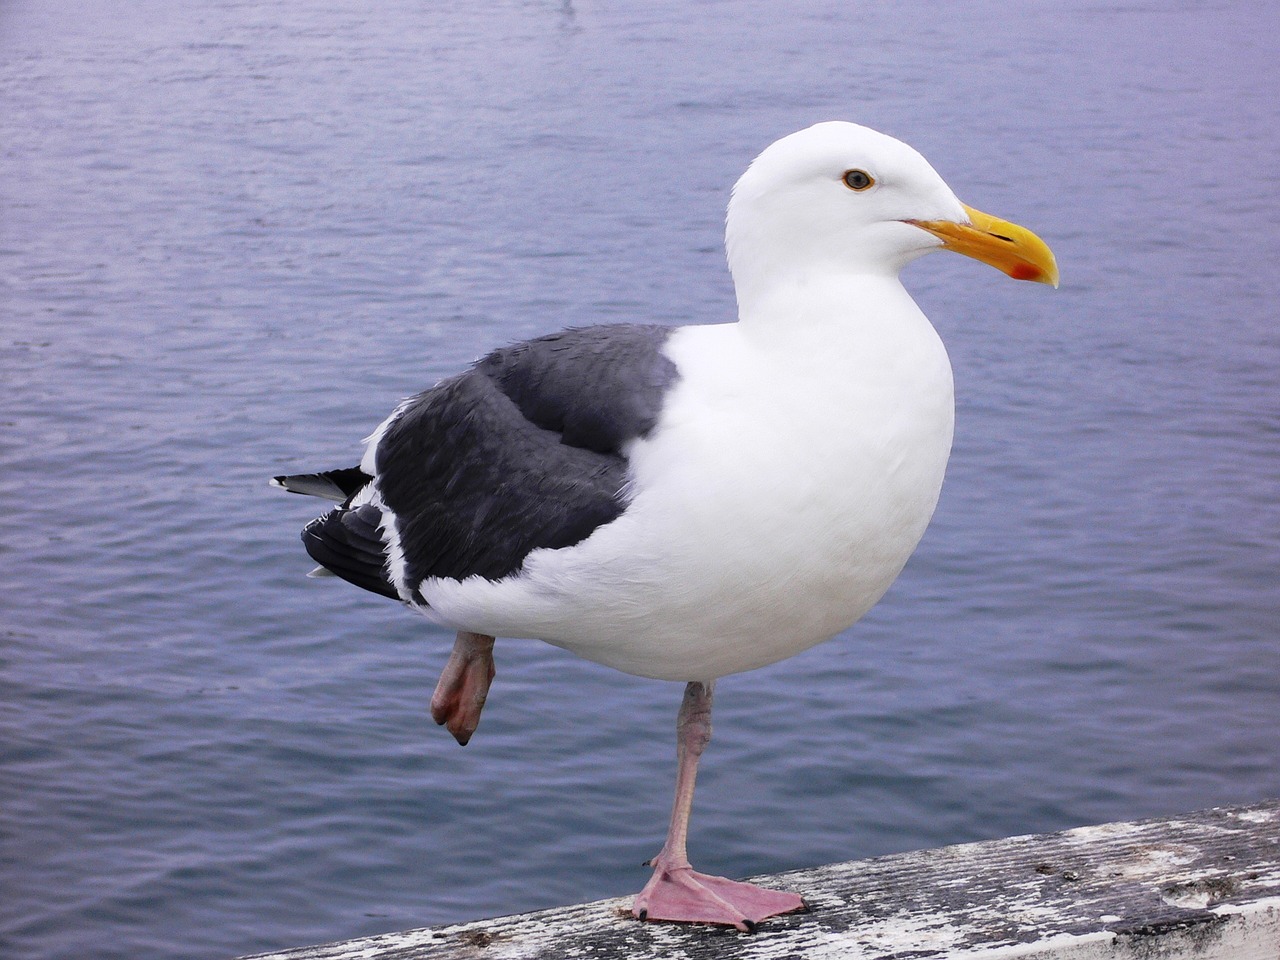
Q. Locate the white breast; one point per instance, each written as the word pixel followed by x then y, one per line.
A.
pixel 792 474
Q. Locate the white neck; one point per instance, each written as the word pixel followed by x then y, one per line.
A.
pixel 817 317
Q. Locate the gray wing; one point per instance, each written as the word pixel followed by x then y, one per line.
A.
pixel 526 450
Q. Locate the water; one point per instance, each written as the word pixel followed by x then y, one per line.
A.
pixel 234 235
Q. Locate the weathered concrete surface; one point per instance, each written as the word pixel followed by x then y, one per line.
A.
pixel 1205 885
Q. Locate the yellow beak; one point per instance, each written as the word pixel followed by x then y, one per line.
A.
pixel 1006 246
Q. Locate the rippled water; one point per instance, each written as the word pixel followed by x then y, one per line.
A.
pixel 234 235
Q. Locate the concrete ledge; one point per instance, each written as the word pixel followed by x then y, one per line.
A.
pixel 1204 885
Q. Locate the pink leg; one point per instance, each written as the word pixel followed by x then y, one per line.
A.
pixel 464 685
pixel 676 891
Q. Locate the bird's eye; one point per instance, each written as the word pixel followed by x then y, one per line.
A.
pixel 858 180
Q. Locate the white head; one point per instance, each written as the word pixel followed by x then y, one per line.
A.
pixel 839 198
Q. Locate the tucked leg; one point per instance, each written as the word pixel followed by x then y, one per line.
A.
pixel 676 891
pixel 464 685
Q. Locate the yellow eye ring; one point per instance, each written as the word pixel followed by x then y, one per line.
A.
pixel 858 180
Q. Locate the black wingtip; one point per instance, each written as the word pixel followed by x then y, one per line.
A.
pixel 336 485
pixel 348 543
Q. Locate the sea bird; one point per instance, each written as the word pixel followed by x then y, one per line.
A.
pixel 684 503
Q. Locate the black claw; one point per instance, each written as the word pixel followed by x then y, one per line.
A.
pixel 644 914
pixel 751 925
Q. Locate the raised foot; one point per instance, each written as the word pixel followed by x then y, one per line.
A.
pixel 682 895
pixel 464 685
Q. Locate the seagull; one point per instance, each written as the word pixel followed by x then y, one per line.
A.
pixel 685 503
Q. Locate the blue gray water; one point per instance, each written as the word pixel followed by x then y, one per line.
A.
pixel 234 234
